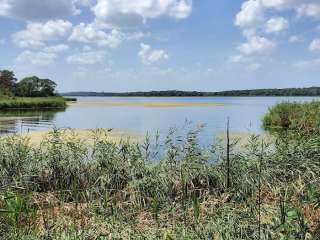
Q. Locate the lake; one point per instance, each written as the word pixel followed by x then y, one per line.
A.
pixel 142 115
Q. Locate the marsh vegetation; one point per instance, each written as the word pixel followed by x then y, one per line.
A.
pixel 32 103
pixel 29 93
pixel 67 188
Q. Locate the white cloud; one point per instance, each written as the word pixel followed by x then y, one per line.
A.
pixel 56 48
pixel 38 10
pixel 251 14
pixel 256 45
pixel 309 10
pixel 36 58
pixel 238 59
pixel 315 45
pixel 135 35
pixel 127 12
pixel 5 7
pixel 281 4
pixel 90 33
pixel 36 34
pixel 276 25
pixel 86 3
pixel 295 39
pixel 149 55
pixel 87 57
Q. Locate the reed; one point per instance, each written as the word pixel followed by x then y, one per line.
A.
pixel 66 188
pixel 303 117
pixel 32 103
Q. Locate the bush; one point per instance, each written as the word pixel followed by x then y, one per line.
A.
pixel 303 117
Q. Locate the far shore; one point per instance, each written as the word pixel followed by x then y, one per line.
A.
pixel 145 104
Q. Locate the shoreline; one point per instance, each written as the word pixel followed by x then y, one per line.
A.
pixel 84 135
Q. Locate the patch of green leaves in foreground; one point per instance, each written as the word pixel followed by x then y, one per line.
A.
pixel 66 189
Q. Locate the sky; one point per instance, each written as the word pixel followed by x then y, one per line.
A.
pixel 142 45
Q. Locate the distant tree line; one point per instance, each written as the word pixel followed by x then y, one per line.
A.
pixel 27 87
pixel 312 91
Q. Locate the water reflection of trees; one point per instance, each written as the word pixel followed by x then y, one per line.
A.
pixel 26 120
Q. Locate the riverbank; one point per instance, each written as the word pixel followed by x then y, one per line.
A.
pixel 84 185
pixel 67 187
pixel 34 103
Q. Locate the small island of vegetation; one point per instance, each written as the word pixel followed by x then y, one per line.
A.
pixel 29 93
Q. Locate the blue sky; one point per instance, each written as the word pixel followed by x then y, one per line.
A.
pixel 126 45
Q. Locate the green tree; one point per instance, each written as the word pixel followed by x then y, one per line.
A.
pixel 35 87
pixel 7 81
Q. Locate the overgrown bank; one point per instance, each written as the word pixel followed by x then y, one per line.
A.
pixel 32 103
pixel 29 93
pixel 66 189
pixel 301 117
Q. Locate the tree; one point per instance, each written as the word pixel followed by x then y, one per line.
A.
pixel 7 81
pixel 35 87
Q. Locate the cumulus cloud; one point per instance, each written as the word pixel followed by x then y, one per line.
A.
pixel 281 4
pixel 295 39
pixel 309 10
pixel 149 55
pixel 256 45
pixel 90 33
pixel 315 45
pixel 36 34
pixel 128 13
pixel 5 7
pixel 238 59
pixel 56 48
pixel 38 10
pixel 257 18
pixel 87 57
pixel 251 14
pixel 276 25
pixel 36 58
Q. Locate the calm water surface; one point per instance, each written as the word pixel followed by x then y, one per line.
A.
pixel 245 114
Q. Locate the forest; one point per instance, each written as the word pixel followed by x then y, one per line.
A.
pixel 311 91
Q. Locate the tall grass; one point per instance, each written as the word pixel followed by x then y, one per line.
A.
pixel 66 189
pixel 32 103
pixel 304 117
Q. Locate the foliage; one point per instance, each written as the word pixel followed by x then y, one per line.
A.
pixel 66 189
pixel 27 87
pixel 35 87
pixel 302 117
pixel 313 91
pixel 7 81
pixel 32 103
